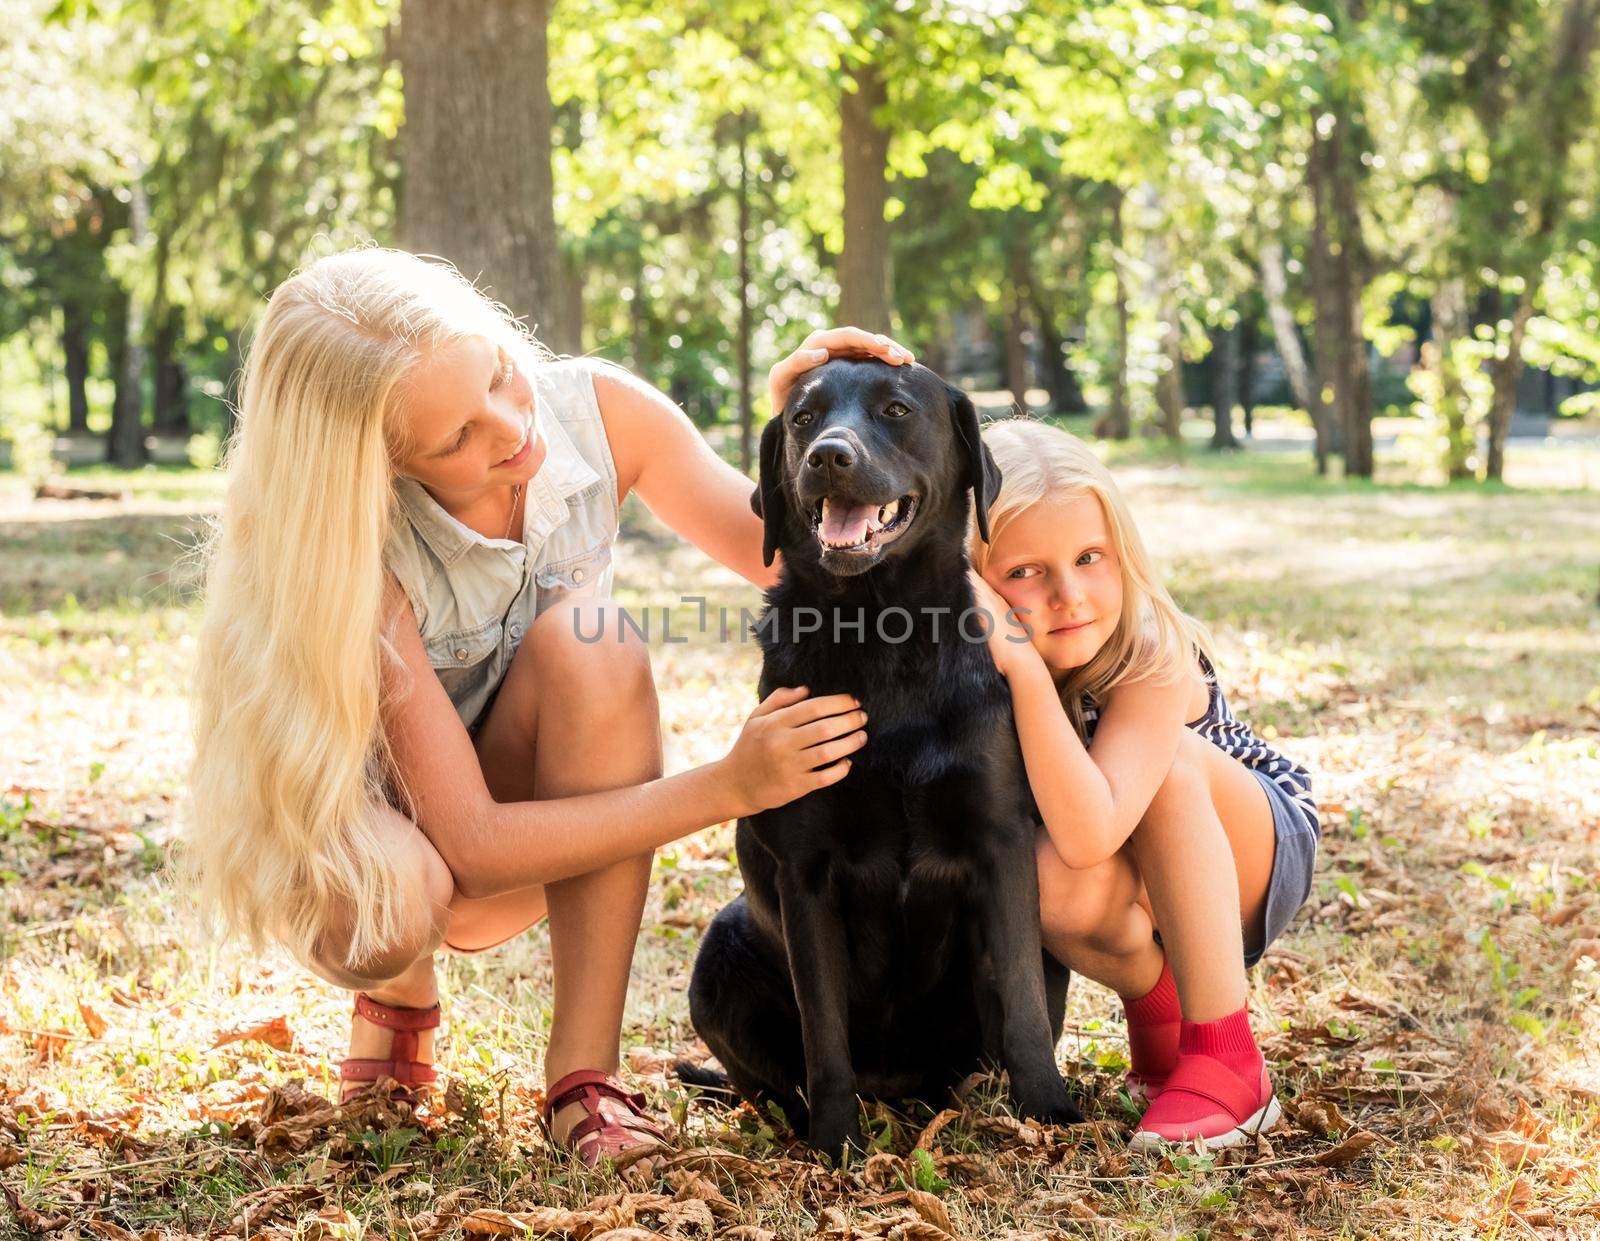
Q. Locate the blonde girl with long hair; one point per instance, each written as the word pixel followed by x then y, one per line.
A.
pixel 407 737
pixel 1176 845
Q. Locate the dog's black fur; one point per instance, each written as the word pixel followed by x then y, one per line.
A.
pixel 887 941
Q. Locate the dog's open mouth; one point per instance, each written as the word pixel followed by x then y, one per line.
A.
pixel 851 526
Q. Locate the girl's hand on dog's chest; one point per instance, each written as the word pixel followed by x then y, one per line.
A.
pixel 792 745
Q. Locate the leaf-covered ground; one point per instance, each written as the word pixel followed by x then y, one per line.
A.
pixel 1434 1014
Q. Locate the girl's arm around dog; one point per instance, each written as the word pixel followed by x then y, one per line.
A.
pixel 791 744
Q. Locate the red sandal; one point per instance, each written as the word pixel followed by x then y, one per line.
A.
pixel 411 1075
pixel 598 1136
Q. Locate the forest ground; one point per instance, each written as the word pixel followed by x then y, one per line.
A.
pixel 1433 1016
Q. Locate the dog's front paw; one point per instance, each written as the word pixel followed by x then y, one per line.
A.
pixel 1049 1101
pixel 836 1130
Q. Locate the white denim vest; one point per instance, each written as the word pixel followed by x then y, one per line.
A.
pixel 474 597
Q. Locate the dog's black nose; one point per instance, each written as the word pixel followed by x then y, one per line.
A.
pixel 835 453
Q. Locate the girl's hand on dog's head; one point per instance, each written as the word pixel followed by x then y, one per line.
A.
pixel 829 343
pixel 792 745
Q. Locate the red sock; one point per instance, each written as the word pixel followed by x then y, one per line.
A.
pixel 1220 1084
pixel 1227 1040
pixel 1154 1022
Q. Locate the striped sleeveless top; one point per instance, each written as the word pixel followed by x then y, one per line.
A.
pixel 1234 737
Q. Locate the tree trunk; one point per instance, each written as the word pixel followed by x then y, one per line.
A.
pixel 1224 386
pixel 866 297
pixel 1249 346
pixel 639 321
pixel 1304 386
pixel 75 347
pixel 1567 103
pixel 1506 370
pixel 1015 345
pixel 1351 265
pixel 573 279
pixel 171 412
pixel 1121 424
pixel 1066 396
pixel 479 188
pixel 1450 324
pixel 1338 277
pixel 125 447
pixel 746 409
pixel 1169 384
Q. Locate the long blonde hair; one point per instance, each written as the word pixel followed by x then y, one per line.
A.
pixel 291 767
pixel 1154 638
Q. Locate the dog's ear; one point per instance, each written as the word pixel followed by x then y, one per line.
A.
pixel 983 475
pixel 768 501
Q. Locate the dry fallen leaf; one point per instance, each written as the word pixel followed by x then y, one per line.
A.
pixel 1492 1110
pixel 112 1232
pixel 1075 1206
pixel 1512 1149
pixel 918 1230
pixel 931 1130
pixel 687 1215
pixel 1565 914
pixel 274 1033
pixel 31 1219
pixel 930 1208
pixel 328 1224
pixel 51 1045
pixel 628 1234
pixel 1347 1151
pixel 881 1169
pixel 1321 1117
pixel 92 1021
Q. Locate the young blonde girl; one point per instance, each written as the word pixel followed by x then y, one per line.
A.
pixel 1176 844
pixel 401 742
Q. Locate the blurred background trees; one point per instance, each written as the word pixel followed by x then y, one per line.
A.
pixel 1128 211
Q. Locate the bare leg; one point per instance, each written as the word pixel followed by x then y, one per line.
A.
pixel 1208 835
pixel 594 724
pixel 598 729
pixel 1204 850
pixel 403 975
pixel 1093 922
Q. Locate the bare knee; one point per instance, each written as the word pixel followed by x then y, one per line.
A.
pixel 1075 905
pixel 591 649
pixel 426 890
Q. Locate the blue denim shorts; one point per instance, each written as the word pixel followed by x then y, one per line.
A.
pixel 1294 857
pixel 1293 861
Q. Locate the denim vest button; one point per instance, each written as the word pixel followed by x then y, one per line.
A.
pixel 577 575
pixel 516 632
pixel 461 653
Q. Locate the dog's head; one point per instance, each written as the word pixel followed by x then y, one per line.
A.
pixel 867 460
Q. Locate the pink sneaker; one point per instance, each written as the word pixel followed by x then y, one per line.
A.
pixel 1205 1102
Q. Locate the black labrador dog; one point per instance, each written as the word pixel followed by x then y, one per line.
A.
pixel 887 940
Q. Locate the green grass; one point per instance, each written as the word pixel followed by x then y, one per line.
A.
pixel 1432 653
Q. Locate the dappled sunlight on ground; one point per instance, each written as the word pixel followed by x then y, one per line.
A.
pixel 1433 1016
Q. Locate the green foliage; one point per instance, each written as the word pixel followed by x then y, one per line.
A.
pixel 260 134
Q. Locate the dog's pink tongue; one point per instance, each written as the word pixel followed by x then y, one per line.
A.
pixel 844 523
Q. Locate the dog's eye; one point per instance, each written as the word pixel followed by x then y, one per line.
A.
pixel 894 409
pixel 803 418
